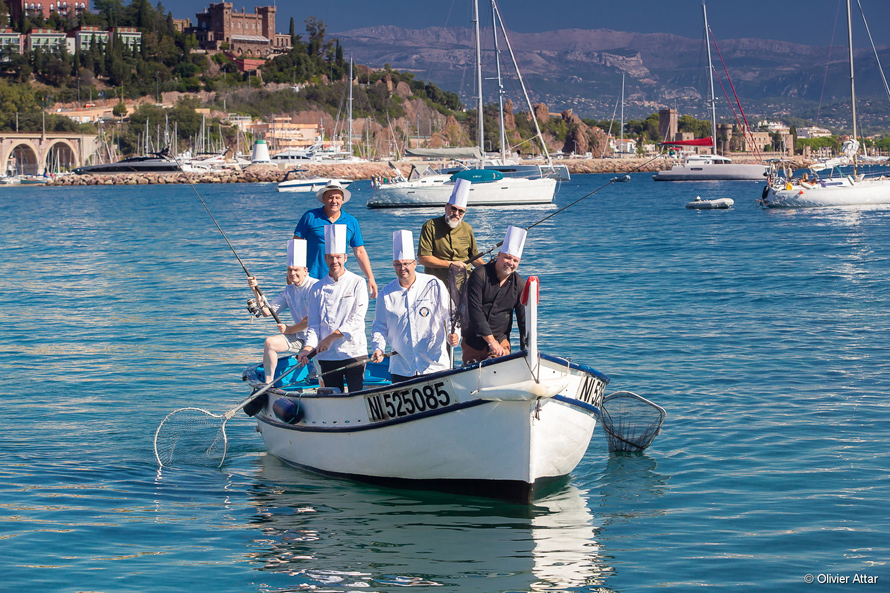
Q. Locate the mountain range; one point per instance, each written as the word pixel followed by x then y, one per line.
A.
pixel 582 70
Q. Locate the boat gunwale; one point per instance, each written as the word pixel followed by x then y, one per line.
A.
pixel 251 372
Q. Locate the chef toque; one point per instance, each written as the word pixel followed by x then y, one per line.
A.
pixel 296 253
pixel 514 241
pixel 402 245
pixel 460 193
pixel 334 239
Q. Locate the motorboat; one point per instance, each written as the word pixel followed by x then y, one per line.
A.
pixel 621 179
pixel 158 162
pixel 310 184
pixel 502 428
pixel 838 189
pixel 718 204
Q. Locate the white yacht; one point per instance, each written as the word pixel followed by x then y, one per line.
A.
pixel 711 167
pixel 841 190
pixel 495 182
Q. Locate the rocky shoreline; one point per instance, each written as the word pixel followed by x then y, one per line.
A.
pixel 279 173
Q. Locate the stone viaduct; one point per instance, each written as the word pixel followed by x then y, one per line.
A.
pixel 33 153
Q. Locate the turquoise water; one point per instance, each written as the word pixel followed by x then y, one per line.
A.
pixel 763 334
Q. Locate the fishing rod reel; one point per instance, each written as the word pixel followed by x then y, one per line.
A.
pixel 254 309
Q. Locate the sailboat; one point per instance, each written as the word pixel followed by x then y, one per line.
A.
pixel 304 183
pixel 844 190
pixel 710 167
pixel 497 182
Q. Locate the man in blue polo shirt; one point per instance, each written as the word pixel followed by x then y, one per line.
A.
pixel 311 228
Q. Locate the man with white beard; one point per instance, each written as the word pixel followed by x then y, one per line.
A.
pixel 448 240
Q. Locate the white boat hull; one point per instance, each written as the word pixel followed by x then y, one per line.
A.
pixel 436 190
pixel 310 185
pixel 836 192
pixel 718 204
pixel 708 172
pixel 489 429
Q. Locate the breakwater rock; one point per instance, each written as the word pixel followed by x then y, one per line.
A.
pixel 279 173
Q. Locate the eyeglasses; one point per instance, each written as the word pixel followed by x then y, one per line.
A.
pixel 399 265
pixel 460 211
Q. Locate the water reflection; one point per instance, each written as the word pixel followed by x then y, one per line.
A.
pixel 629 486
pixel 361 536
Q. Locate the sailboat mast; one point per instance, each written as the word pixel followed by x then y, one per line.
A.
pixel 528 102
pixel 711 82
pixel 480 126
pixel 852 85
pixel 497 61
pixel 621 129
pixel 349 140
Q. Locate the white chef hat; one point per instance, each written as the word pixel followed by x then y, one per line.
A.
pixel 402 245
pixel 296 253
pixel 514 241
pixel 460 193
pixel 334 238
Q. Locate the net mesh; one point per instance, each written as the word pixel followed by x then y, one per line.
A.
pixel 191 436
pixel 631 422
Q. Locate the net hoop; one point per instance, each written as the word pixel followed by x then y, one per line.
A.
pixel 198 434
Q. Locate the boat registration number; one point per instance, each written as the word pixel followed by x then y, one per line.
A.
pixel 591 391
pixel 406 402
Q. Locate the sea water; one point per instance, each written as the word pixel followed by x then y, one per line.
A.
pixel 763 333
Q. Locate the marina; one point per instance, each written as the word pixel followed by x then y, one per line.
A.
pixel 770 466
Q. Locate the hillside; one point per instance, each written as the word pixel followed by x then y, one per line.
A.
pixel 582 69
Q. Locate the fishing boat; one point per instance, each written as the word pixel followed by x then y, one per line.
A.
pixel 502 428
pixel 158 162
pixel 783 191
pixel 709 167
pixel 717 204
pixel 519 184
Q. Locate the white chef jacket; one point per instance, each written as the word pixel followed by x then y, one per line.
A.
pixel 339 304
pixel 296 300
pixel 413 320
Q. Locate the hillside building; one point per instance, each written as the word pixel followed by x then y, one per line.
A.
pixel 10 41
pixel 242 34
pixel 45 7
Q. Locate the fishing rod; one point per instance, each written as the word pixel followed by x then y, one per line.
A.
pixel 549 216
pixel 259 292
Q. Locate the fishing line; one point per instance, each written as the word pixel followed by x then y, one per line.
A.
pixel 243 267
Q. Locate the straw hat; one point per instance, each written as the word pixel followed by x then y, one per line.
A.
pixel 333 185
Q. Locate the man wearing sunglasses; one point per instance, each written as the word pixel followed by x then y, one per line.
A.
pixel 448 240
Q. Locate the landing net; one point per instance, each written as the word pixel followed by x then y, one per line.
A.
pixel 631 422
pixel 191 436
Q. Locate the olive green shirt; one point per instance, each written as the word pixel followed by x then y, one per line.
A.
pixel 440 240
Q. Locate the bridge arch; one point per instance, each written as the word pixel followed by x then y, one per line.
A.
pixel 21 159
pixel 60 155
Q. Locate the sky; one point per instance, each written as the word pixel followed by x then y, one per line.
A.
pixel 809 22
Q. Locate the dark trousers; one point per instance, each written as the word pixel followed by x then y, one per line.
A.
pixel 471 355
pixel 399 378
pixel 354 378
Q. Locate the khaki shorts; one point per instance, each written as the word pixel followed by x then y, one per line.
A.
pixel 295 343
